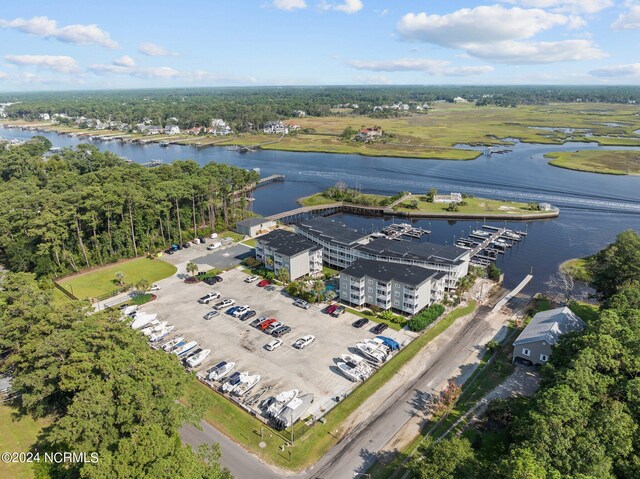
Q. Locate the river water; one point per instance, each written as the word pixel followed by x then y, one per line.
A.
pixel 594 208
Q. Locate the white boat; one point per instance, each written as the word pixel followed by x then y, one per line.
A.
pixel 197 359
pixel 371 352
pixel 185 348
pixel 158 335
pixel 142 319
pixel 482 233
pixel 129 310
pixel 234 380
pixel 246 384
pixel 358 364
pixel 154 328
pixel 350 372
pixel 220 370
pixel 378 343
pixel 172 343
pixel 280 401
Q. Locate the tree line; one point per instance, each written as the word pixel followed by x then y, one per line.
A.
pixel 102 388
pixel 584 421
pixel 84 207
pixel 247 108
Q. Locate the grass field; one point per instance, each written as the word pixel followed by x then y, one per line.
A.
pixel 473 206
pixel 17 436
pixel 610 162
pixel 317 440
pixel 577 268
pixel 102 281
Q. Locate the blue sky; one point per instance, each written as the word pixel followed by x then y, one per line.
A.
pixel 65 44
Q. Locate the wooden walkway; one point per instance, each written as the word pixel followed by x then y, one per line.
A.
pixel 512 293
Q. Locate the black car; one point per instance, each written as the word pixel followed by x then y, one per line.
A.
pixel 203 240
pixel 186 245
pixel 379 328
pixel 249 314
pixel 169 251
pixel 209 281
pixel 218 279
pixel 361 322
pixel 281 331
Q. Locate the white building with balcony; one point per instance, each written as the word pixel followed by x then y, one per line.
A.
pixel 283 249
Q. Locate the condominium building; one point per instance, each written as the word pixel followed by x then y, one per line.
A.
pixel 342 246
pixel 407 289
pixel 283 249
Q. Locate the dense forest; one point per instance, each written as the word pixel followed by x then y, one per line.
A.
pixel 243 108
pixel 584 421
pixel 83 207
pixel 101 386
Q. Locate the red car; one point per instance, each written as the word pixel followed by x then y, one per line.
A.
pixel 263 283
pixel 265 324
pixel 331 308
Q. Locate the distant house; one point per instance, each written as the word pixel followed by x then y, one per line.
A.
pixel 450 198
pixel 276 128
pixel 171 130
pixel 299 113
pixel 253 226
pixel 536 341
pixel 45 116
pixel 368 134
pixel 196 130
pixel 545 207
pixel 459 99
pixel 152 130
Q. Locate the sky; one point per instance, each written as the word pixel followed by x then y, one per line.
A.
pixel 70 45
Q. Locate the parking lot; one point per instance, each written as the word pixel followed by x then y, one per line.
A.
pixel 311 370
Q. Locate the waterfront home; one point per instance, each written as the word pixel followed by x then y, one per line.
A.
pixel 275 128
pixel 171 130
pixel 545 207
pixel 45 116
pixel 407 289
pixel 536 341
pixel 254 226
pixel 368 134
pixel 282 249
pixel 299 113
pixel 450 198
pixel 459 99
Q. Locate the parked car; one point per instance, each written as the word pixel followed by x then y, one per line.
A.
pixel 154 287
pixel 273 345
pixel 360 322
pixel 331 308
pixel 251 279
pixel 215 245
pixel 300 303
pixel 263 283
pixel 272 327
pixel 338 311
pixel 225 303
pixel 203 240
pixel 206 299
pixel 281 331
pixel 210 281
pixel 211 315
pixel 186 245
pixel 257 321
pixel 379 328
pixel 231 310
pixel 266 323
pixel 304 341
pixel 240 311
pixel 270 288
pixel 169 251
pixel 218 279
pixel 247 315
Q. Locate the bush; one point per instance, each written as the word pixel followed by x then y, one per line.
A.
pixel 425 317
pixel 251 262
pixel 493 272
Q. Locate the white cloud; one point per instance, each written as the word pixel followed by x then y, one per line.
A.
pixel 289 4
pixel 138 72
pixel 154 50
pixel 572 6
pixel 528 53
pixel 347 6
pixel 496 33
pixel 430 67
pixel 631 69
pixel 124 61
pixel 628 20
pixel 48 28
pixel 484 24
pixel 3 75
pixel 57 63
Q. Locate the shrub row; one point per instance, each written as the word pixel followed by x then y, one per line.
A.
pixel 425 317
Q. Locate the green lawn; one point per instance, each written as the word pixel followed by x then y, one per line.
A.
pixel 577 268
pixel 251 242
pixel 371 317
pixel 102 281
pixel 585 311
pixel 17 436
pixel 230 234
pixel 473 206
pixel 610 162
pixel 314 442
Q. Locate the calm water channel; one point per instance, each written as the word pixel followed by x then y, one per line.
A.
pixel 594 208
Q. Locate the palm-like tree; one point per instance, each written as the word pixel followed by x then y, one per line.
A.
pixel 192 268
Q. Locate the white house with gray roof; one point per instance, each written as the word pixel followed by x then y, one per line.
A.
pixel 536 342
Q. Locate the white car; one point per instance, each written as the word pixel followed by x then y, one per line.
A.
pixel 304 341
pixel 273 345
pixel 240 311
pixel 301 303
pixel 211 315
pixel 213 246
pixel 251 279
pixel 272 327
pixel 154 287
pixel 225 303
pixel 206 299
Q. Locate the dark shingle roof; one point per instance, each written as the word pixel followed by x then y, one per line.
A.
pixel 412 250
pixel 332 230
pixel 287 243
pixel 386 272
